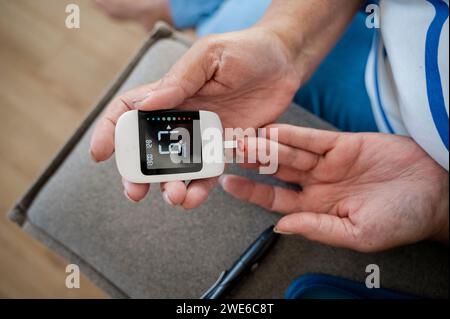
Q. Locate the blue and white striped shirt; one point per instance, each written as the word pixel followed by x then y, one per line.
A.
pixel 407 74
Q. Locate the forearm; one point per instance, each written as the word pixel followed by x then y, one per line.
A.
pixel 309 28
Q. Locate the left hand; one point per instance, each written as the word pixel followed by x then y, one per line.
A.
pixel 367 192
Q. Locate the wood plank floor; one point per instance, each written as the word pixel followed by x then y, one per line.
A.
pixel 50 77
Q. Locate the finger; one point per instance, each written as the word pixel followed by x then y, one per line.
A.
pixel 185 78
pixel 307 139
pixel 327 229
pixel 286 174
pixel 198 192
pixel 174 193
pixel 134 192
pixel 270 197
pixel 291 175
pixel 102 140
pixel 265 150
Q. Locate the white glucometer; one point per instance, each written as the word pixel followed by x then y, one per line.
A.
pixel 163 146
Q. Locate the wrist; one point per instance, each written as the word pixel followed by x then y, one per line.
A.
pixel 288 50
pixel 308 29
pixel 292 47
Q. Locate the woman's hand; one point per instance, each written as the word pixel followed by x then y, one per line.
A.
pixel 367 192
pixel 247 77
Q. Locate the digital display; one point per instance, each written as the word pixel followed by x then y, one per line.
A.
pixel 170 142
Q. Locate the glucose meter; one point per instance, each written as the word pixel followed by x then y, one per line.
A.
pixel 163 146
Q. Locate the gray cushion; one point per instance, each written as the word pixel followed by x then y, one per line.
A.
pixel 152 250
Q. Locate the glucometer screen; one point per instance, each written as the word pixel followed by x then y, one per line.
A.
pixel 170 142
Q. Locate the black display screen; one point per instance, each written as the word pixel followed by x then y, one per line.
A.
pixel 170 142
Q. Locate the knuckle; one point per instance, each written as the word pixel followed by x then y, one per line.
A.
pixel 209 42
pixel 211 47
pixel 120 100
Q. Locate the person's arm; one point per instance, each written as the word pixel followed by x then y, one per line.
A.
pixel 309 29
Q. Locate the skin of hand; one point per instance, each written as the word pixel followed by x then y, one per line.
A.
pixel 247 77
pixel 145 12
pixel 366 192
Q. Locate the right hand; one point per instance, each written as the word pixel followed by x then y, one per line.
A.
pixel 247 77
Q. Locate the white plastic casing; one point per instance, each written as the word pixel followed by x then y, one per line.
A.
pixel 127 151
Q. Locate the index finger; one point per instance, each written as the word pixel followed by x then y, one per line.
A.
pixel 308 139
pixel 261 149
pixel 102 140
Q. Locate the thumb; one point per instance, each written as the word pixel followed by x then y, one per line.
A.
pixel 327 229
pixel 183 80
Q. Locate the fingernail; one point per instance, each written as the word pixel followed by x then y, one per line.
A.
pixel 128 197
pixel 92 156
pixel 141 98
pixel 222 179
pixel 167 199
pixel 276 230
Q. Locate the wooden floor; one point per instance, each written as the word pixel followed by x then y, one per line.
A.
pixel 50 77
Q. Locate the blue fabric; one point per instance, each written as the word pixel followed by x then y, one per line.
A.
pixel 190 13
pixel 316 286
pixel 233 15
pixel 376 80
pixel 336 92
pixel 435 92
